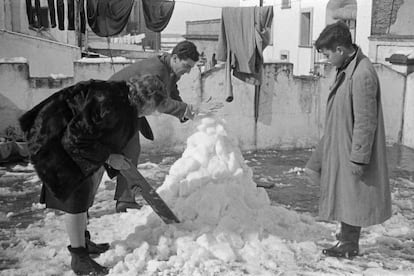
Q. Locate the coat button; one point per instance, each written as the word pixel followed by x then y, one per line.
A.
pixel 357 147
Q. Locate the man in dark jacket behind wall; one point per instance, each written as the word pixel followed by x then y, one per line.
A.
pixel 169 68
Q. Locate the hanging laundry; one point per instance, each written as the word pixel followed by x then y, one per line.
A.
pixel 245 32
pixel 61 14
pixel 71 15
pixel 52 13
pixel 33 13
pixel 108 17
pixel 157 13
pixel 82 16
pixel 37 16
pixel 30 13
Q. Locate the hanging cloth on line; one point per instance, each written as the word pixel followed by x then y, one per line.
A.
pixel 157 13
pixel 108 17
pixel 61 14
pixel 31 13
pixel 52 13
pixel 60 7
pixel 37 15
pixel 245 32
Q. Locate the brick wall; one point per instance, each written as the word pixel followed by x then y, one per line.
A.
pixel 384 14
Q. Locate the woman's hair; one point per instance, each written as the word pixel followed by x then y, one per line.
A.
pixel 334 35
pixel 144 88
pixel 186 49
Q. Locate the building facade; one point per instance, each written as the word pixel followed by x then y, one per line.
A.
pixel 298 23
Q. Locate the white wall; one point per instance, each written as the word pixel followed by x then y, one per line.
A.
pixel 393 87
pixel 284 98
pixel 97 70
pixel 2 16
pixel 14 84
pixel 408 134
pixel 45 57
pixel 363 25
pixel 5 15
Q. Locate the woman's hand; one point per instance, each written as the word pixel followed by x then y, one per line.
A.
pixel 118 162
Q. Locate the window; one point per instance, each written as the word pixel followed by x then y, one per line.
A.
pixel 285 4
pixel 306 18
pixel 284 55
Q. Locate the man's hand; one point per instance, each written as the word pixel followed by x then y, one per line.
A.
pixel 209 107
pixel 206 108
pixel 357 169
pixel 118 162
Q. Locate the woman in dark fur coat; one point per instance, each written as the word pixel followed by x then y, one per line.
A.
pixel 72 135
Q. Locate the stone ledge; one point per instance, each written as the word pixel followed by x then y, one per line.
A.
pixel 49 82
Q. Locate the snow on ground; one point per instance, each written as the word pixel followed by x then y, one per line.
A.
pixel 228 227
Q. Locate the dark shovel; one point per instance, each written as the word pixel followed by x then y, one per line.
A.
pixel 138 183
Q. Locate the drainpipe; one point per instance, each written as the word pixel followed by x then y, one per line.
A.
pixel 78 34
pixel 256 102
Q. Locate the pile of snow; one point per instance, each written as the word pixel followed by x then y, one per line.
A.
pixel 227 223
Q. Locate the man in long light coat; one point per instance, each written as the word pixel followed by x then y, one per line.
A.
pixel 350 160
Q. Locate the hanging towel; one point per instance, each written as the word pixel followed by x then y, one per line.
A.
pixel 157 13
pixel 245 32
pixel 108 17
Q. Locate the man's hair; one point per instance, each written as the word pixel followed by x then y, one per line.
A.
pixel 334 35
pixel 186 49
pixel 146 87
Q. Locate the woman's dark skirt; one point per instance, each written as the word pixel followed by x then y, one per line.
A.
pixel 79 201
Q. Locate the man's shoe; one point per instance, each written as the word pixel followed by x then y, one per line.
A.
pixel 83 264
pixel 122 206
pixel 95 248
pixel 343 249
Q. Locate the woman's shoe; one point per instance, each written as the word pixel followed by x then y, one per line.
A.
pixel 83 264
pixel 343 249
pixel 122 206
pixel 95 248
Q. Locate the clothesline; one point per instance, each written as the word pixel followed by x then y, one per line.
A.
pixel 219 7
